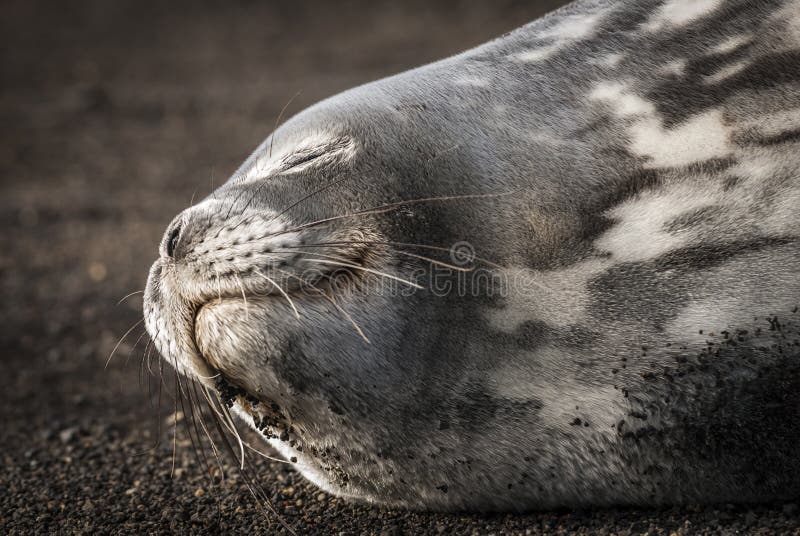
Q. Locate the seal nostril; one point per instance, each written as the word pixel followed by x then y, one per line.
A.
pixel 173 240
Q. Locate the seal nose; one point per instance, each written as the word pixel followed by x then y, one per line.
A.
pixel 173 237
pixel 183 231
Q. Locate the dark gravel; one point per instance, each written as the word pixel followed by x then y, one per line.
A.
pixel 114 114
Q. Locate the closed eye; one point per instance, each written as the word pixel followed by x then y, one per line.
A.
pixel 298 159
pixel 328 153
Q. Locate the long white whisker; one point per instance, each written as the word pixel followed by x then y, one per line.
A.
pixel 391 206
pixel 421 257
pixel 217 375
pixel 278 120
pixel 244 297
pixel 120 341
pixel 246 444
pixel 208 435
pixel 369 270
pixel 175 428
pixel 349 318
pixel 279 289
pixel 333 302
pixel 389 243
pixel 134 293
pixel 227 416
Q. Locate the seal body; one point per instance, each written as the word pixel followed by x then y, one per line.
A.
pixel 560 269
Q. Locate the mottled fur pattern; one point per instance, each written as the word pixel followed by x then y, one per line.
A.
pixel 646 161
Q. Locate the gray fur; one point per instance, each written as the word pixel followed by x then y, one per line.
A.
pixel 637 341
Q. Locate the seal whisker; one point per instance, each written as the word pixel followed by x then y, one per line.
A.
pixel 157 442
pixel 464 269
pixel 133 348
pixel 406 253
pixel 246 444
pixel 333 302
pixel 253 485
pixel 158 402
pixel 261 497
pixel 296 203
pixel 244 296
pixel 146 357
pixel 278 120
pixel 190 422
pixel 442 153
pixel 146 353
pixel 141 361
pixel 175 428
pixel 217 375
pixel 162 383
pixel 371 271
pixel 349 265
pixel 197 415
pixel 279 289
pixel 390 243
pixel 213 192
pixel 158 395
pixel 266 456
pixel 214 447
pixel 232 427
pixel 436 262
pixel 131 354
pixel 226 443
pixel 305 197
pixel 213 196
pixel 381 209
pixel 272 141
pixel 120 342
pixel 213 444
pixel 299 201
pixel 346 315
pixel 134 293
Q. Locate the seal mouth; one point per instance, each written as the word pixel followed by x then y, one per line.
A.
pixel 268 416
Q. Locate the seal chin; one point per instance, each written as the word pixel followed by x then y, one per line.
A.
pixel 243 341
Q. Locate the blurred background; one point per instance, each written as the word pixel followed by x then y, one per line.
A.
pixel 113 116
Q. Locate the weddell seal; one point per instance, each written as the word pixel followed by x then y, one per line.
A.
pixel 559 269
